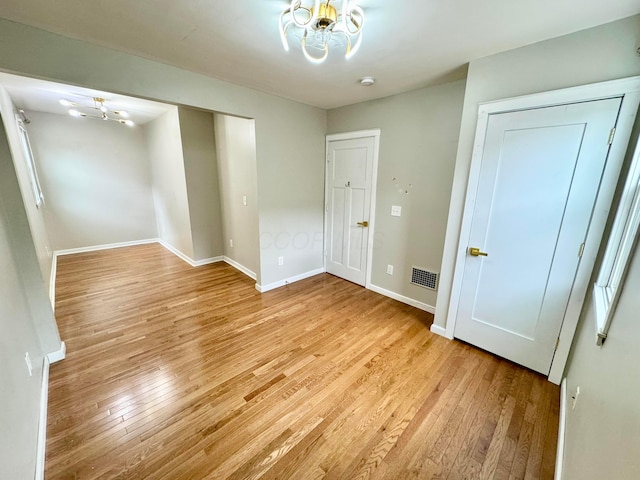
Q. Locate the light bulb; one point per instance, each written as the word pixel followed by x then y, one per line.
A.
pixel 122 113
pixel 129 123
pixel 65 103
pixel 103 109
pixel 74 113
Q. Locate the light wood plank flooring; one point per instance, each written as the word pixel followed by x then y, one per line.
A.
pixel 174 372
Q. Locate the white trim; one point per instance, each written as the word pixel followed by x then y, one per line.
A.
pixel 107 246
pixel 52 280
pixel 177 252
pixel 207 261
pixel 372 209
pixel 42 421
pixel 629 88
pixel 617 151
pixel 375 133
pixel 620 247
pixel 240 267
pixel 286 281
pixel 58 355
pixel 189 260
pixel 401 298
pixel 438 330
pixel 562 430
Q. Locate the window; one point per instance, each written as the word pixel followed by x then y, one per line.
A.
pixel 619 250
pixel 31 164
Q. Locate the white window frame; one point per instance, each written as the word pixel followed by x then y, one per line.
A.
pixel 620 246
pixel 31 163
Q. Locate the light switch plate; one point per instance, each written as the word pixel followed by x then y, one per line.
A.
pixel 244 200
pixel 396 210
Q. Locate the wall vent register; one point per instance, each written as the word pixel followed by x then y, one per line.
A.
pixel 424 278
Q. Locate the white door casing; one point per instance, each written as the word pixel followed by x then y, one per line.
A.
pixel 539 179
pixel 449 297
pixel 349 197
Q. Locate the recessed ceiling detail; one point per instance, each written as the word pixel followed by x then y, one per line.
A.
pixel 34 95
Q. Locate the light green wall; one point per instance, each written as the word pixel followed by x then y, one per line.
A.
pixel 34 252
pixel 236 149
pixel 603 432
pixel 201 173
pixel 598 54
pixel 96 179
pixel 164 144
pixel 35 215
pixel 26 325
pixel 289 135
pixel 418 140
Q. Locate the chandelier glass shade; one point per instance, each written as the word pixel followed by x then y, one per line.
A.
pixel 320 26
pixel 98 110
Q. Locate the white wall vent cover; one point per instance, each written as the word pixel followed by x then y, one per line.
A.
pixel 424 278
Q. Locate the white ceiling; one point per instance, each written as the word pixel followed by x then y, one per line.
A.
pixel 40 96
pixel 406 45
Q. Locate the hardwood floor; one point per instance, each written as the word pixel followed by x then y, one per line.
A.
pixel 175 372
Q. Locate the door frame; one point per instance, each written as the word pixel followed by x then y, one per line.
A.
pixel 629 90
pixel 375 133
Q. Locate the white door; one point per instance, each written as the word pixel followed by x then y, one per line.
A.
pixel 349 177
pixel 539 178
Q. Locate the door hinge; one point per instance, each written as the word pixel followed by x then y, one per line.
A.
pixel 581 250
pixel 612 134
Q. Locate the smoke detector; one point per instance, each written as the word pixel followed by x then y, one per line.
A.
pixel 367 81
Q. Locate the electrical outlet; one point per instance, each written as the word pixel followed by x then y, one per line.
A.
pixel 280 261
pixel 231 242
pixel 27 359
pixel 575 398
pixel 389 269
pixel 244 200
pixel 396 210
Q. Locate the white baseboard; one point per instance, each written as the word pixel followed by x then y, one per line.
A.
pixel 402 298
pixel 286 281
pixel 562 430
pixel 58 355
pixel 207 261
pixel 176 252
pixel 240 267
pixel 186 258
pixel 107 246
pixel 438 330
pixel 52 280
pixel 42 421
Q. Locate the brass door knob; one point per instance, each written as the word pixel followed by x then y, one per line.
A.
pixel 475 252
pixel 363 223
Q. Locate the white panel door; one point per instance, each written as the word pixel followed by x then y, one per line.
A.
pixel 539 179
pixel 349 183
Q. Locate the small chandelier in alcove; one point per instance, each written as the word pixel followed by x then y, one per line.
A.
pixel 320 27
pixel 98 110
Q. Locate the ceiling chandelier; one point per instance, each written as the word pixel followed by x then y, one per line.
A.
pixel 97 110
pixel 321 25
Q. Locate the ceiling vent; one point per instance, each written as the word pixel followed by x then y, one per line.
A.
pixel 424 278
